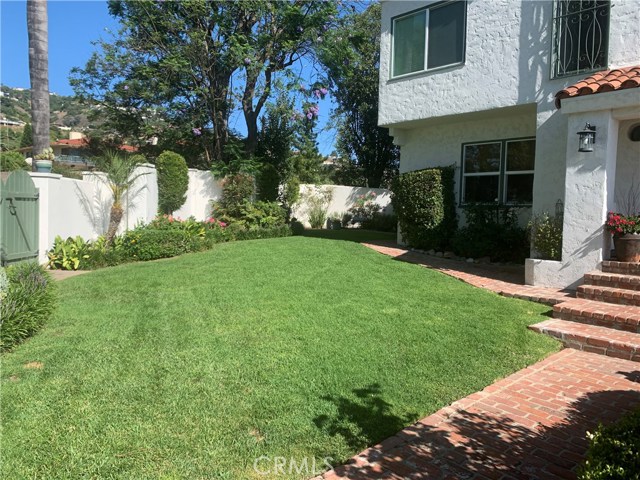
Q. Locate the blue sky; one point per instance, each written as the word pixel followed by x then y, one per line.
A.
pixel 72 28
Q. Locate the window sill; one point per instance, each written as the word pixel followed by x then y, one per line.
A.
pixel 425 73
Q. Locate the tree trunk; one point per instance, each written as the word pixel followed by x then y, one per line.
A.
pixel 37 26
pixel 115 216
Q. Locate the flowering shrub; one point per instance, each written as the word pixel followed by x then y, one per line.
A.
pixel 190 226
pixel 619 224
pixel 365 207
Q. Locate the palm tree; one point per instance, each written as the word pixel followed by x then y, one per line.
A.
pixel 119 176
pixel 38 29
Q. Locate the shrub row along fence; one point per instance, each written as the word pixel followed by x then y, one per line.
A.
pixel 70 208
pixel 80 208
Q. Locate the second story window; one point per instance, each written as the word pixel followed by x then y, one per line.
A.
pixel 580 36
pixel 429 39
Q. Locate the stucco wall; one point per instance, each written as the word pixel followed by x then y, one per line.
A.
pixel 628 165
pixel 343 198
pixel 440 145
pixel 508 46
pixel 70 207
pixel 203 189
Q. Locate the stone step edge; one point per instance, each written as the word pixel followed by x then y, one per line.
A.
pixel 620 317
pixel 628 268
pixel 587 292
pixel 591 338
pixel 627 282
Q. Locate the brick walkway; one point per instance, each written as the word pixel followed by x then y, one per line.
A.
pixel 530 425
pixel 506 280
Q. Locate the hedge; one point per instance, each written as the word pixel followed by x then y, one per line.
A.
pixel 424 202
pixel 173 181
pixel 27 301
pixel 614 451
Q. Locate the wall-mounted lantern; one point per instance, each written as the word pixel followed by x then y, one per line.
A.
pixel 587 138
pixel 559 208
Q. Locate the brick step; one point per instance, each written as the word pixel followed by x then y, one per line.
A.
pixel 591 338
pixel 591 312
pixel 614 280
pixel 619 296
pixel 627 268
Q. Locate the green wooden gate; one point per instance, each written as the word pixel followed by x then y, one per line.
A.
pixel 19 217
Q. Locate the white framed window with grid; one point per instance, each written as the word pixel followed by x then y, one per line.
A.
pixel 498 172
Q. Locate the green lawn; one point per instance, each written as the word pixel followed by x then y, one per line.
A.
pixel 298 347
pixel 351 234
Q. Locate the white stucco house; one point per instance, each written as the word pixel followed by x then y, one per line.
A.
pixel 500 89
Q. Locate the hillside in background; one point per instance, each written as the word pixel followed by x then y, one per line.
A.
pixel 66 114
pixel 65 111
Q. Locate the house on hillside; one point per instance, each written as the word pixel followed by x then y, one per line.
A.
pixel 500 89
pixel 75 151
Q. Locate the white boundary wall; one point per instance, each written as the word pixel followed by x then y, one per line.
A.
pixel 70 207
pixel 343 198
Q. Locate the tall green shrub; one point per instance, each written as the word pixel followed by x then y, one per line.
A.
pixel 26 303
pixel 424 201
pixel 236 190
pixel 173 181
pixel 10 161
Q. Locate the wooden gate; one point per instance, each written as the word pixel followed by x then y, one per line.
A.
pixel 19 217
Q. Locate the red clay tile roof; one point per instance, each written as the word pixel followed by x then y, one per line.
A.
pixel 605 81
pixel 76 142
pixel 83 142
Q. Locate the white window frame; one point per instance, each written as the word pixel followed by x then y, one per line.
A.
pixel 426 11
pixel 502 173
pixel 507 172
pixel 497 173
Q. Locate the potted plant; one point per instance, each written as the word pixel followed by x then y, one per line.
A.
pixel 626 236
pixel 44 160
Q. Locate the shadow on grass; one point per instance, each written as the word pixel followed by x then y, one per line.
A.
pixel 351 235
pixel 362 420
pixel 471 442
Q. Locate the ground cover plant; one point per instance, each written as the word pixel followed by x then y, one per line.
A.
pixel 297 347
pixel 27 300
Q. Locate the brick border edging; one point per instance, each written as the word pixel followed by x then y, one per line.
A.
pixel 545 295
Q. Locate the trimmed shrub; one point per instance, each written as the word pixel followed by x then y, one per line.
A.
pixel 492 231
pixel 614 451
pixel 546 236
pixel 297 227
pixel 424 202
pixel 381 222
pixel 238 233
pixel 151 244
pixel 10 161
pixel 268 183
pixel 236 191
pixel 29 300
pixel 173 181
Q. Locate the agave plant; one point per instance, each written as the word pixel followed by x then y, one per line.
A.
pixel 120 176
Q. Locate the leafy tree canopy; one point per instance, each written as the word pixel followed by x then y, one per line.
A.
pixel 351 56
pixel 172 65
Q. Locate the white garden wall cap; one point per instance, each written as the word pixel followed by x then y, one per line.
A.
pixel 600 82
pixel 55 176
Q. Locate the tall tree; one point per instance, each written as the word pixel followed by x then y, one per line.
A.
pixel 351 56
pixel 27 136
pixel 38 29
pixel 172 65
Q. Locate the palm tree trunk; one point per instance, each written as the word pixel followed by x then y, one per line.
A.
pixel 37 26
pixel 115 216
